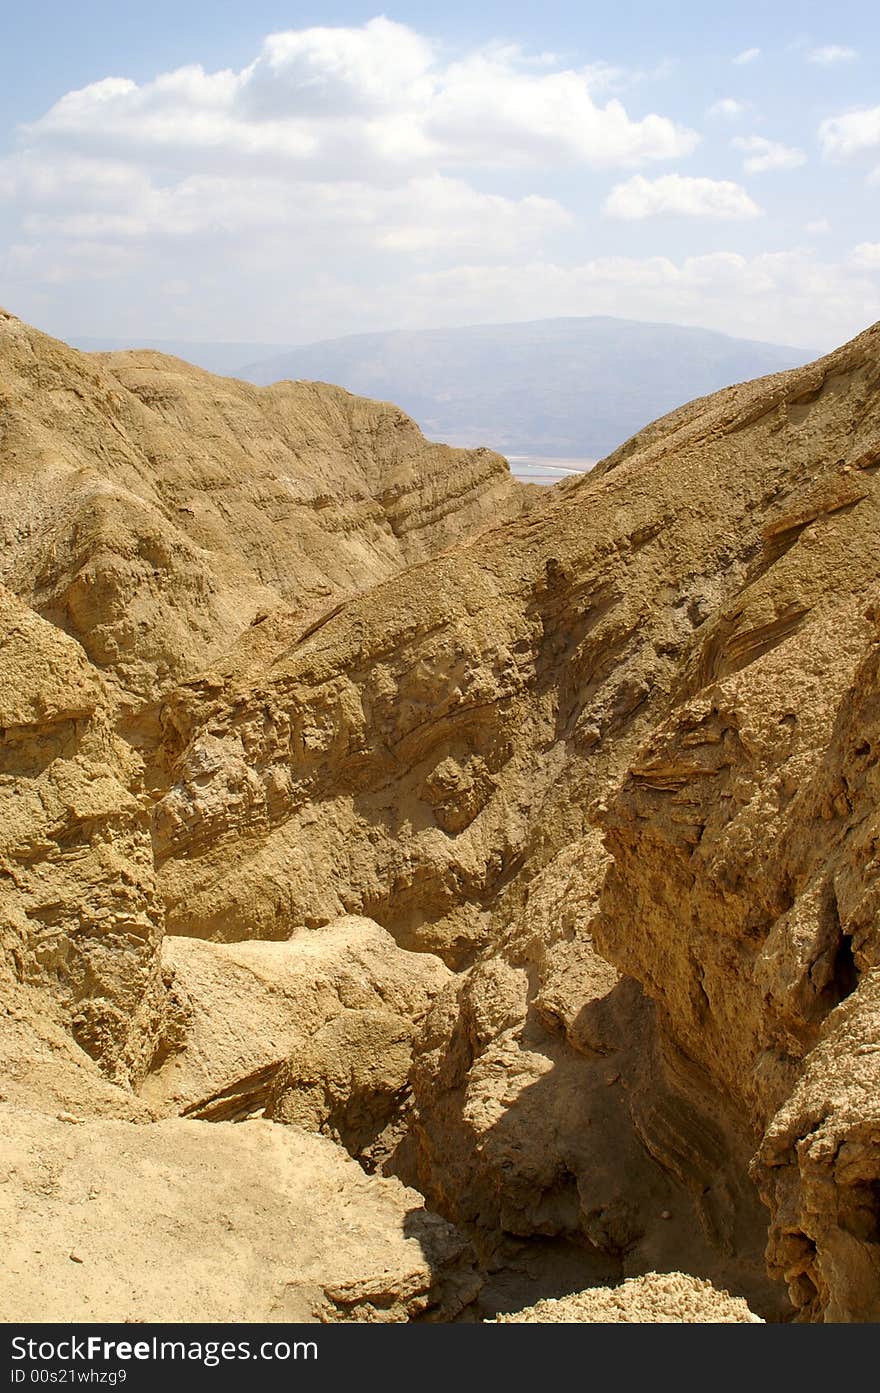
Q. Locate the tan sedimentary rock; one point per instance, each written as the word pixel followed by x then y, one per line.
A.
pixel 818 1168
pixel 742 876
pixel 655 1298
pixel 739 882
pixel 317 1029
pixel 43 1067
pixel 79 913
pixel 155 511
pixel 446 730
pixel 435 754
pixel 197 1221
pixel 611 758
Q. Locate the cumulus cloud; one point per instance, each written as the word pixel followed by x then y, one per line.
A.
pixel 763 155
pixel 728 108
pixel 364 141
pixel 748 55
pixel 851 133
pixel 830 54
pixel 680 195
pixel 347 101
pixel 487 111
pixel 81 260
pixel 428 211
pixel 359 177
pixel 866 256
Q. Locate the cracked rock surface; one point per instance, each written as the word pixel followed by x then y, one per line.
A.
pixel 508 857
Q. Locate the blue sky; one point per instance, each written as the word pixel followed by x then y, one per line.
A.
pixel 283 172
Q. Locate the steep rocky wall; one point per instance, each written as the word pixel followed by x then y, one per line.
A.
pixel 610 757
pixel 446 730
pixel 154 511
pixel 415 751
pixel 435 754
pixel 743 877
pixel 79 913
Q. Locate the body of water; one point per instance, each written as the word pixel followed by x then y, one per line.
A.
pixel 546 469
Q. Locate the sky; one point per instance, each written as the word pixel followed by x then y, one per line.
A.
pixel 283 173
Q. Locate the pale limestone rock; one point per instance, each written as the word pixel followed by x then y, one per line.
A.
pixel 79 913
pixel 156 512
pixel 610 753
pixel 318 1028
pixel 195 1221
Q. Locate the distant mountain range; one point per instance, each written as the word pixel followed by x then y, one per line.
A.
pixel 573 387
pixel 552 387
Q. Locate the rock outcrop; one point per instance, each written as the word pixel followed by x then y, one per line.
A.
pixel 79 913
pixel 315 1030
pixel 524 847
pixel 154 512
pixel 249 1222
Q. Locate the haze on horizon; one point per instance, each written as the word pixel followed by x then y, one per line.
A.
pixel 299 172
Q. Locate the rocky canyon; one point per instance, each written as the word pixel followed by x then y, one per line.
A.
pixel 425 896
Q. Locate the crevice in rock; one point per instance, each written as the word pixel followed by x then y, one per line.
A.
pixel 247 1097
pixel 844 973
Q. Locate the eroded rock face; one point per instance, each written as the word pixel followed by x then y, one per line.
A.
pixel 79 914
pixel 44 1067
pixel 818 1169
pixel 255 1222
pixel 422 754
pixel 609 756
pixel 316 1030
pixel 155 512
pixel 549 1105
pixel 738 883
pixel 742 875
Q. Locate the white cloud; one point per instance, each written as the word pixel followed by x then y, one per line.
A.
pixel 866 256
pixel 429 211
pixel 748 55
pixel 487 112
pixel 357 142
pixel 763 155
pixel 677 194
pixel 354 178
pixel 80 261
pixel 850 134
pixel 349 102
pixel 791 296
pixel 379 67
pixel 728 108
pixel 831 53
pixel 818 227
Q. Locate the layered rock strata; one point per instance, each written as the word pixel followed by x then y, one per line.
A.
pixel 524 847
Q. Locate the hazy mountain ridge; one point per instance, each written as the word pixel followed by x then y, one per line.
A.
pixel 572 387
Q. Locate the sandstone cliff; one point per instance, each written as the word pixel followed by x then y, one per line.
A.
pixel 154 511
pixel 524 846
pixel 80 913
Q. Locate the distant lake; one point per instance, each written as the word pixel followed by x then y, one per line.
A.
pixel 546 469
